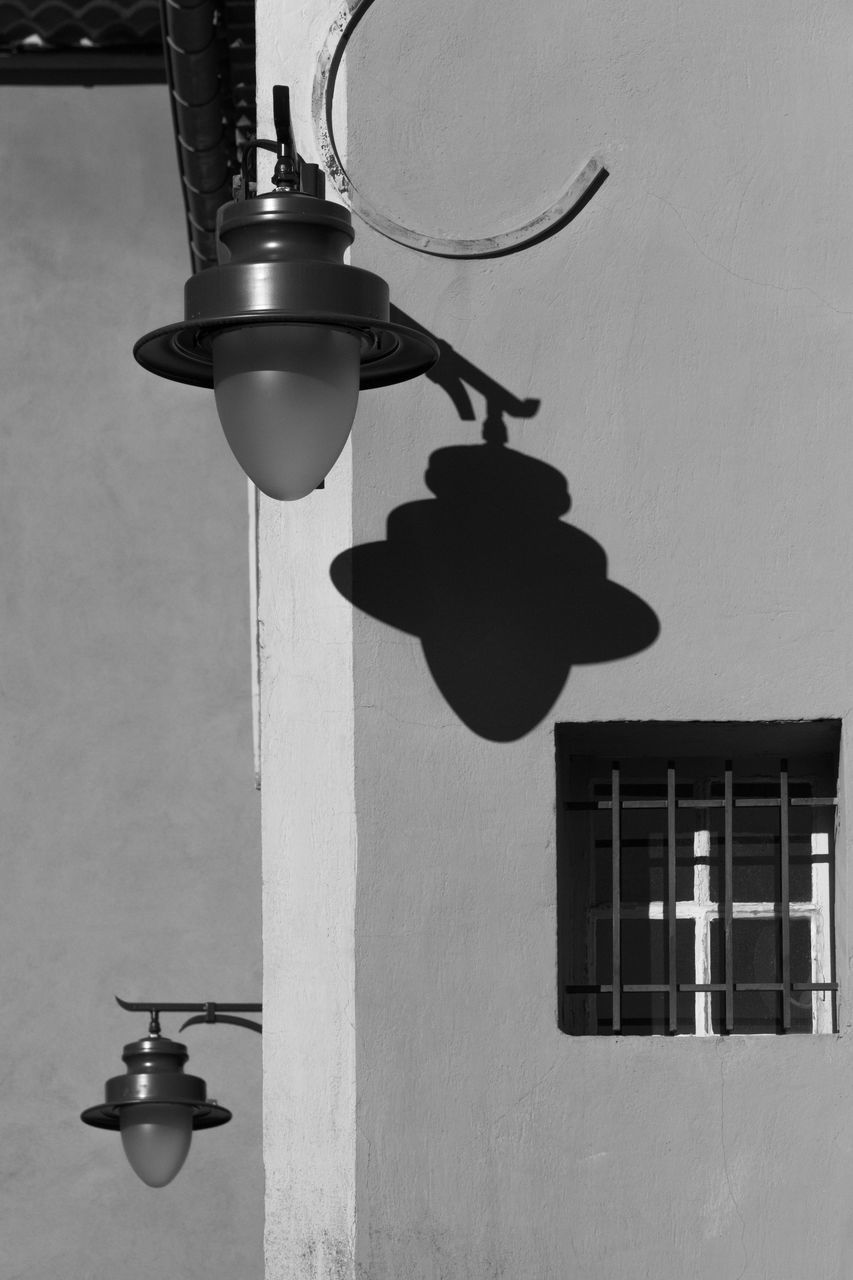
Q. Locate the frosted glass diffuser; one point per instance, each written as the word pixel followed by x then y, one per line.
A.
pixel 156 1137
pixel 286 397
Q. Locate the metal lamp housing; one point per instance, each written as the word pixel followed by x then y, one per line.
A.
pixel 281 262
pixel 155 1073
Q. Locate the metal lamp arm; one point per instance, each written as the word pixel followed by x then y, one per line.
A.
pixel 206 1011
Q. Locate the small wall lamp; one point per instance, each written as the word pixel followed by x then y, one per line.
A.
pixel 282 329
pixel 155 1106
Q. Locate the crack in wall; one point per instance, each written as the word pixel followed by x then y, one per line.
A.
pixel 760 284
pixel 726 1172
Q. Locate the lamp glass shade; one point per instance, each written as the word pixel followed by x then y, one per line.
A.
pixel 286 397
pixel 156 1137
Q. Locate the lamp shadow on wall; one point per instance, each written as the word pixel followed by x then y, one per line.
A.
pixel 505 597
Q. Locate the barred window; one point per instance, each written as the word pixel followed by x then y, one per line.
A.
pixel 696 878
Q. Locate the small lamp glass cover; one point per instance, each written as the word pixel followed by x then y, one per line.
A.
pixel 156 1137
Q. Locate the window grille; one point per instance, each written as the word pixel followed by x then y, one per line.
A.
pixel 696 889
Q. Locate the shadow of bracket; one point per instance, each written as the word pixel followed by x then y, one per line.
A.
pixel 454 374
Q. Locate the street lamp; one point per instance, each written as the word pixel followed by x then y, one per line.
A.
pixel 282 329
pixel 155 1106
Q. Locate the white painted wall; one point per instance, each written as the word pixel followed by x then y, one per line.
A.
pixel 688 337
pixel 309 833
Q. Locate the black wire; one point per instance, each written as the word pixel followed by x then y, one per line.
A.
pixel 251 149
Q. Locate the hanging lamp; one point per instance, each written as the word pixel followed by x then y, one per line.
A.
pixel 154 1105
pixel 282 329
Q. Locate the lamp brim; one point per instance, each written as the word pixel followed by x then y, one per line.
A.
pixel 206 1115
pixel 390 352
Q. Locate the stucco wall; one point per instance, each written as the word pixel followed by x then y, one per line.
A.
pixel 308 814
pixel 130 819
pixel 688 338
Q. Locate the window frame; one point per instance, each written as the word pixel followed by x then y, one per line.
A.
pixel 584 749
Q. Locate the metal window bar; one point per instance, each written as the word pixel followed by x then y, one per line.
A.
pixel 727 895
pixel 709 802
pixel 662 988
pixel 616 890
pixel 671 898
pixel 617 802
pixel 785 895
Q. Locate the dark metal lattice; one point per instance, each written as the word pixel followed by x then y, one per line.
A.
pixel 99 42
pixel 203 49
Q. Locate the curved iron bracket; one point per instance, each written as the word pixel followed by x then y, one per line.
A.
pixel 566 207
pixel 222 1017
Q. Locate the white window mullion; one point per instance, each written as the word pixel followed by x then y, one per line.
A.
pixel 821 938
pixel 704 912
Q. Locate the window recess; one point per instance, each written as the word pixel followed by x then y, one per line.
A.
pixel 696 878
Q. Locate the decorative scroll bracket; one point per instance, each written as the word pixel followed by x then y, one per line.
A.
pixel 567 206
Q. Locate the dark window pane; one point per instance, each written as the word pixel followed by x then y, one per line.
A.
pixel 645 960
pixel 644 850
pixel 602 867
pixel 805 822
pixel 685 862
pixel 756 852
pixel 644 855
pixel 801 969
pixel 756 844
pixel 757 957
